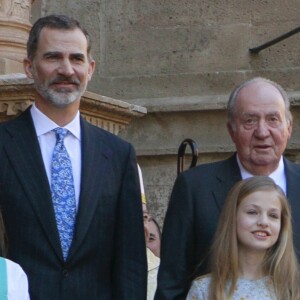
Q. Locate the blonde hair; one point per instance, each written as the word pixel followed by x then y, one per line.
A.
pixel 280 260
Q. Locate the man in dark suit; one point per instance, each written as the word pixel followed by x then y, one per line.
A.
pixel 260 124
pixel 100 252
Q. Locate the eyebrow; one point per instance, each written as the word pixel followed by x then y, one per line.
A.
pixel 78 55
pixel 58 53
pixel 52 53
pixel 259 207
pixel 271 113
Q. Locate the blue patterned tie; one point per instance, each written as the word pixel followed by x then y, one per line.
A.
pixel 63 193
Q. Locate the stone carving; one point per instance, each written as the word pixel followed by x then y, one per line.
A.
pixel 14 29
pixel 19 9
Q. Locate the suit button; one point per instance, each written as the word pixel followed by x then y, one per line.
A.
pixel 65 273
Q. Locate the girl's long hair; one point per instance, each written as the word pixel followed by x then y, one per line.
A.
pixel 280 260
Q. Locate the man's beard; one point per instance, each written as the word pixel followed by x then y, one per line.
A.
pixel 61 97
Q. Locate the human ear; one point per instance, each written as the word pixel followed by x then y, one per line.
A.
pixel 290 128
pixel 92 65
pixel 231 130
pixel 27 65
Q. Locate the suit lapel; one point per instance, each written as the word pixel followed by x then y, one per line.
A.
pixel 229 174
pixel 292 172
pixel 292 182
pixel 22 149
pixel 95 161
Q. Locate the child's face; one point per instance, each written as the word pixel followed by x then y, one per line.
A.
pixel 258 221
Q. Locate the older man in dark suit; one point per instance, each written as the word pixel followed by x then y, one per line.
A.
pixel 69 191
pixel 260 124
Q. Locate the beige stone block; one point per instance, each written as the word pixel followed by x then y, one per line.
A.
pixel 8 66
pixel 276 12
pixel 180 85
pixel 283 55
pixel 174 13
pixel 177 50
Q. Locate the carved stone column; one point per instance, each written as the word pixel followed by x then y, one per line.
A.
pixel 14 29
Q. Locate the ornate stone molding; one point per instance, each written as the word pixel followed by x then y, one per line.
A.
pixel 14 29
pixel 17 93
pixel 16 9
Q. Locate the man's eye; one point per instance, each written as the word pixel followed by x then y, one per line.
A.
pixel 249 122
pixel 274 121
pixel 51 57
pixel 152 237
pixel 78 58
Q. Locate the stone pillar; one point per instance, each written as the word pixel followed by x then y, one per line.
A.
pixel 14 29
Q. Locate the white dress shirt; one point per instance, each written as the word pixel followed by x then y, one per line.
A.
pixel 17 283
pixel 153 265
pixel 278 175
pixel 47 139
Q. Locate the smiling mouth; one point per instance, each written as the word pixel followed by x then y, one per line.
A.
pixel 261 234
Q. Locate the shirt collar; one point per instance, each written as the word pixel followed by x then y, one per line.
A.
pixel 44 125
pixel 276 175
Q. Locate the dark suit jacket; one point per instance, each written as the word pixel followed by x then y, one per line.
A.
pixel 191 220
pixel 107 257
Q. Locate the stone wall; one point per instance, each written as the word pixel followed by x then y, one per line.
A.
pixel 180 59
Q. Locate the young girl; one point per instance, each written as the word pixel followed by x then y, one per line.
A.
pixel 13 280
pixel 252 255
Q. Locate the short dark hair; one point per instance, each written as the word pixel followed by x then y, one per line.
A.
pixel 54 22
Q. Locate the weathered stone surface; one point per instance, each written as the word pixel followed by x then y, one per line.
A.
pixel 170 48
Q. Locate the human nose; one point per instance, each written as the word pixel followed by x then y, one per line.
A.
pixel 66 68
pixel 263 221
pixel 262 130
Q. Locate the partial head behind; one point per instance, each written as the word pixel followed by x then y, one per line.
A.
pixel 154 238
pixel 54 22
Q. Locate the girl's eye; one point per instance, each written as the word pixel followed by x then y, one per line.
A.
pixel 251 212
pixel 274 216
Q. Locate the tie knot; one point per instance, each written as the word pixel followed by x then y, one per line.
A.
pixel 60 133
